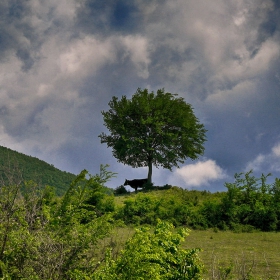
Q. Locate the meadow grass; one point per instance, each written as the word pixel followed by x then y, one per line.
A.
pixel 225 254
pixel 253 255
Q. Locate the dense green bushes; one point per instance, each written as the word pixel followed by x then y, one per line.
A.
pixel 48 237
pixel 249 203
pixel 178 206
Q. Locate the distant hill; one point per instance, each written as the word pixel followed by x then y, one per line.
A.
pixel 31 168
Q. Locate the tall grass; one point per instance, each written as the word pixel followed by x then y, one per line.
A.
pixel 229 255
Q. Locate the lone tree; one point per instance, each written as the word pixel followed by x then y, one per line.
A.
pixel 153 129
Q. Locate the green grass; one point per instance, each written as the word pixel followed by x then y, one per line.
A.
pixel 245 256
pixel 256 254
pixel 175 192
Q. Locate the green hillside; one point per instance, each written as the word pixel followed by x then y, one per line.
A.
pixel 14 164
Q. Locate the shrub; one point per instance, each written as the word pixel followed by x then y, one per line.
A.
pixel 120 190
pixel 154 255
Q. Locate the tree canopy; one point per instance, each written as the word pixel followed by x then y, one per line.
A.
pixel 153 129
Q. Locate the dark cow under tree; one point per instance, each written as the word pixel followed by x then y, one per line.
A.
pixel 136 183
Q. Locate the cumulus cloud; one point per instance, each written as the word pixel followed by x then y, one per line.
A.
pixel 200 173
pixel 266 162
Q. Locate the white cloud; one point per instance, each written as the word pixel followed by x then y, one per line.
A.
pixel 137 48
pixel 233 98
pixel 200 173
pixel 248 67
pixel 266 162
pixel 63 10
pixel 257 163
pixel 85 56
pixel 276 150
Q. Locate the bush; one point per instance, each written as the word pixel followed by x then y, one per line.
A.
pixel 121 190
pixel 153 255
pixel 140 210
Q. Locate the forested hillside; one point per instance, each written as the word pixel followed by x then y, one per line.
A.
pixel 31 168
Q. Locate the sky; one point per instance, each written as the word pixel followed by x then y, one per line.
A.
pixel 62 61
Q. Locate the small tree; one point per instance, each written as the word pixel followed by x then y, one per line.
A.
pixel 153 129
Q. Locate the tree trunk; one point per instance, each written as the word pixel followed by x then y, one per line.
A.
pixel 150 171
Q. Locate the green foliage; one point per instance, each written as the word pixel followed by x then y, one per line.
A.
pixel 153 129
pixel 250 201
pixel 175 205
pixel 153 255
pixel 88 192
pixel 121 190
pixel 32 169
pixel 45 237
pixel 148 186
pixel 211 211
pixel 249 204
pixel 21 218
pixel 140 210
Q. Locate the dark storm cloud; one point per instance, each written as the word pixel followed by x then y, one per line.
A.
pixel 239 132
pixel 25 56
pixel 23 122
pixel 4 111
pixel 16 32
pixel 271 25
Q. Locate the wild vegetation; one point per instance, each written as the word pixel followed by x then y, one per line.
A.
pixel 45 236
pixel 248 204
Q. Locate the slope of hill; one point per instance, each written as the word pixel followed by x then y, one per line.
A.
pixel 31 168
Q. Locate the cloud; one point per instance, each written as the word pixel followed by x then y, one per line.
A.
pixel 257 163
pixel 276 150
pixel 269 162
pixel 85 56
pixel 200 174
pixel 137 49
